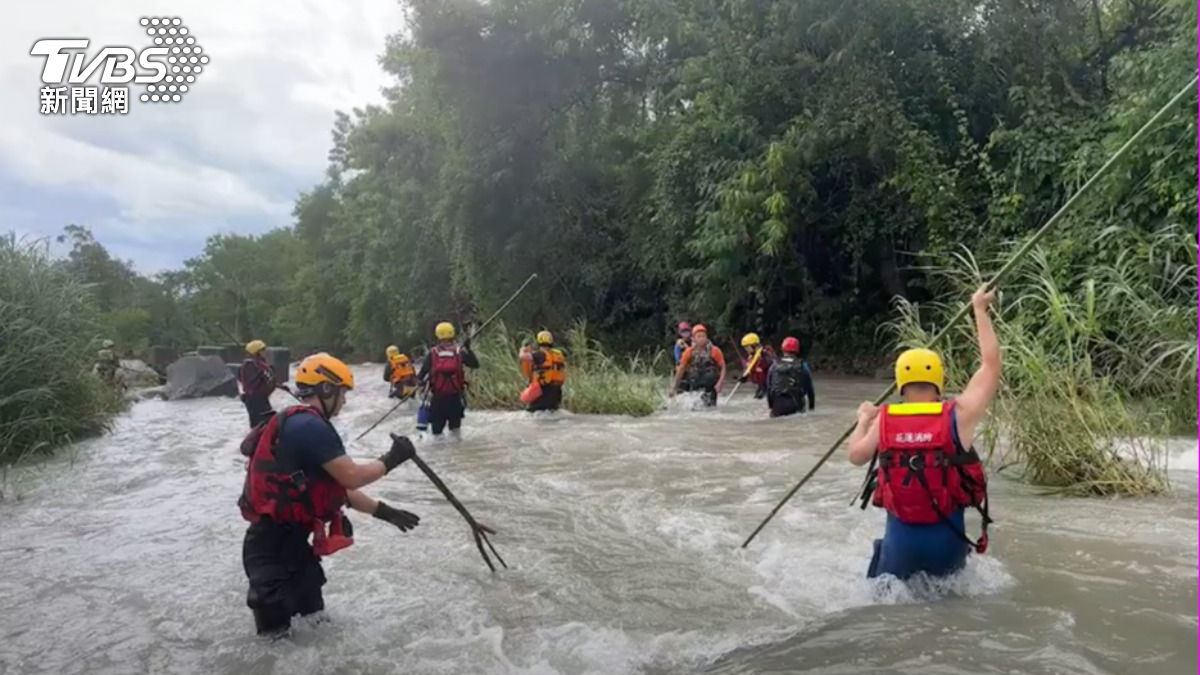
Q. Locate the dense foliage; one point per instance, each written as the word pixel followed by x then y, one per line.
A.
pixel 772 165
pixel 48 329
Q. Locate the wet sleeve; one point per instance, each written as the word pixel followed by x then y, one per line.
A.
pixel 678 352
pixel 387 372
pixel 685 359
pixel 424 372
pixel 719 356
pixel 317 441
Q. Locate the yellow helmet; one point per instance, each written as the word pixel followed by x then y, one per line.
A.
pixel 444 331
pixel 750 339
pixel 545 338
pixel 253 347
pixel 392 350
pixel 322 368
pixel 920 365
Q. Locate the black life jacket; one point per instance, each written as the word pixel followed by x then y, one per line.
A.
pixel 703 369
pixel 786 379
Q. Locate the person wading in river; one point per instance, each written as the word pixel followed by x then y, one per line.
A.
pixel 443 371
pixel 257 381
pixel 701 367
pixel 108 364
pixel 683 340
pixel 399 371
pixel 756 362
pixel 789 382
pixel 297 481
pixel 546 370
pixel 928 470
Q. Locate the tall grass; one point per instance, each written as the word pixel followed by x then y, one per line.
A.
pixel 48 336
pixel 596 381
pixel 1099 361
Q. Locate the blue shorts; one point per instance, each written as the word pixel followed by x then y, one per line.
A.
pixel 905 550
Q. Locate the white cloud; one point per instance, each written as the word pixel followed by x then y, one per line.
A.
pixel 252 133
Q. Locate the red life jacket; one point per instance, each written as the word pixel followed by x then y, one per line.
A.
pixel 924 473
pixel 446 375
pixel 256 377
pixel 278 489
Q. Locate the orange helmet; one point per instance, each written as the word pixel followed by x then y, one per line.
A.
pixel 699 328
pixel 321 372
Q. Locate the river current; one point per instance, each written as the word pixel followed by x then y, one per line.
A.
pixel 123 555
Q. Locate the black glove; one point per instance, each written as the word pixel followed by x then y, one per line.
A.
pixel 467 344
pixel 398 517
pixel 742 378
pixel 402 450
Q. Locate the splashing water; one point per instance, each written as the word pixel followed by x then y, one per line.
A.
pixel 123 555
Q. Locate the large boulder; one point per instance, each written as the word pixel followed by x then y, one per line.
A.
pixel 199 376
pixel 136 374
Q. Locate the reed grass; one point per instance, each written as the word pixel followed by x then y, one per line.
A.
pixel 597 382
pixel 48 337
pixel 1099 360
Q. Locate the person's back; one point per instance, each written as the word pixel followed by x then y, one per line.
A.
pixel 548 367
pixel 443 371
pixel 928 472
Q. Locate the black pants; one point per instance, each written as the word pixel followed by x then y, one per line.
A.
pixel 551 398
pixel 258 408
pixel 445 409
pixel 285 575
pixel 708 387
pixel 785 404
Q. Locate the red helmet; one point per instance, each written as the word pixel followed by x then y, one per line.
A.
pixel 791 345
pixel 683 325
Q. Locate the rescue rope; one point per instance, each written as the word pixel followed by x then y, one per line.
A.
pixel 1012 262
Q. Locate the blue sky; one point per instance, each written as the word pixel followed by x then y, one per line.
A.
pixel 252 133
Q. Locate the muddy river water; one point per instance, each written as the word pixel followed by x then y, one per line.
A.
pixel 123 555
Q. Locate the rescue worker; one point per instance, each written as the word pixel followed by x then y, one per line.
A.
pixel 789 382
pixel 297 481
pixel 107 364
pixel 399 371
pixel 928 470
pixel 756 363
pixel 547 366
pixel 701 367
pixel 442 371
pixel 683 339
pixel 257 381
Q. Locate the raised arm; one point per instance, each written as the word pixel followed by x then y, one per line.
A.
pixel 864 440
pixel 973 403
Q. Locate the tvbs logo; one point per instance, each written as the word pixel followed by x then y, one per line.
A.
pixel 116 65
pixel 167 68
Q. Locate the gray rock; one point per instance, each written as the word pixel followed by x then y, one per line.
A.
pixel 136 374
pixel 199 376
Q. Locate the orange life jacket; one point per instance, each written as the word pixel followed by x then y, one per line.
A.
pixel 402 368
pixel 553 369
